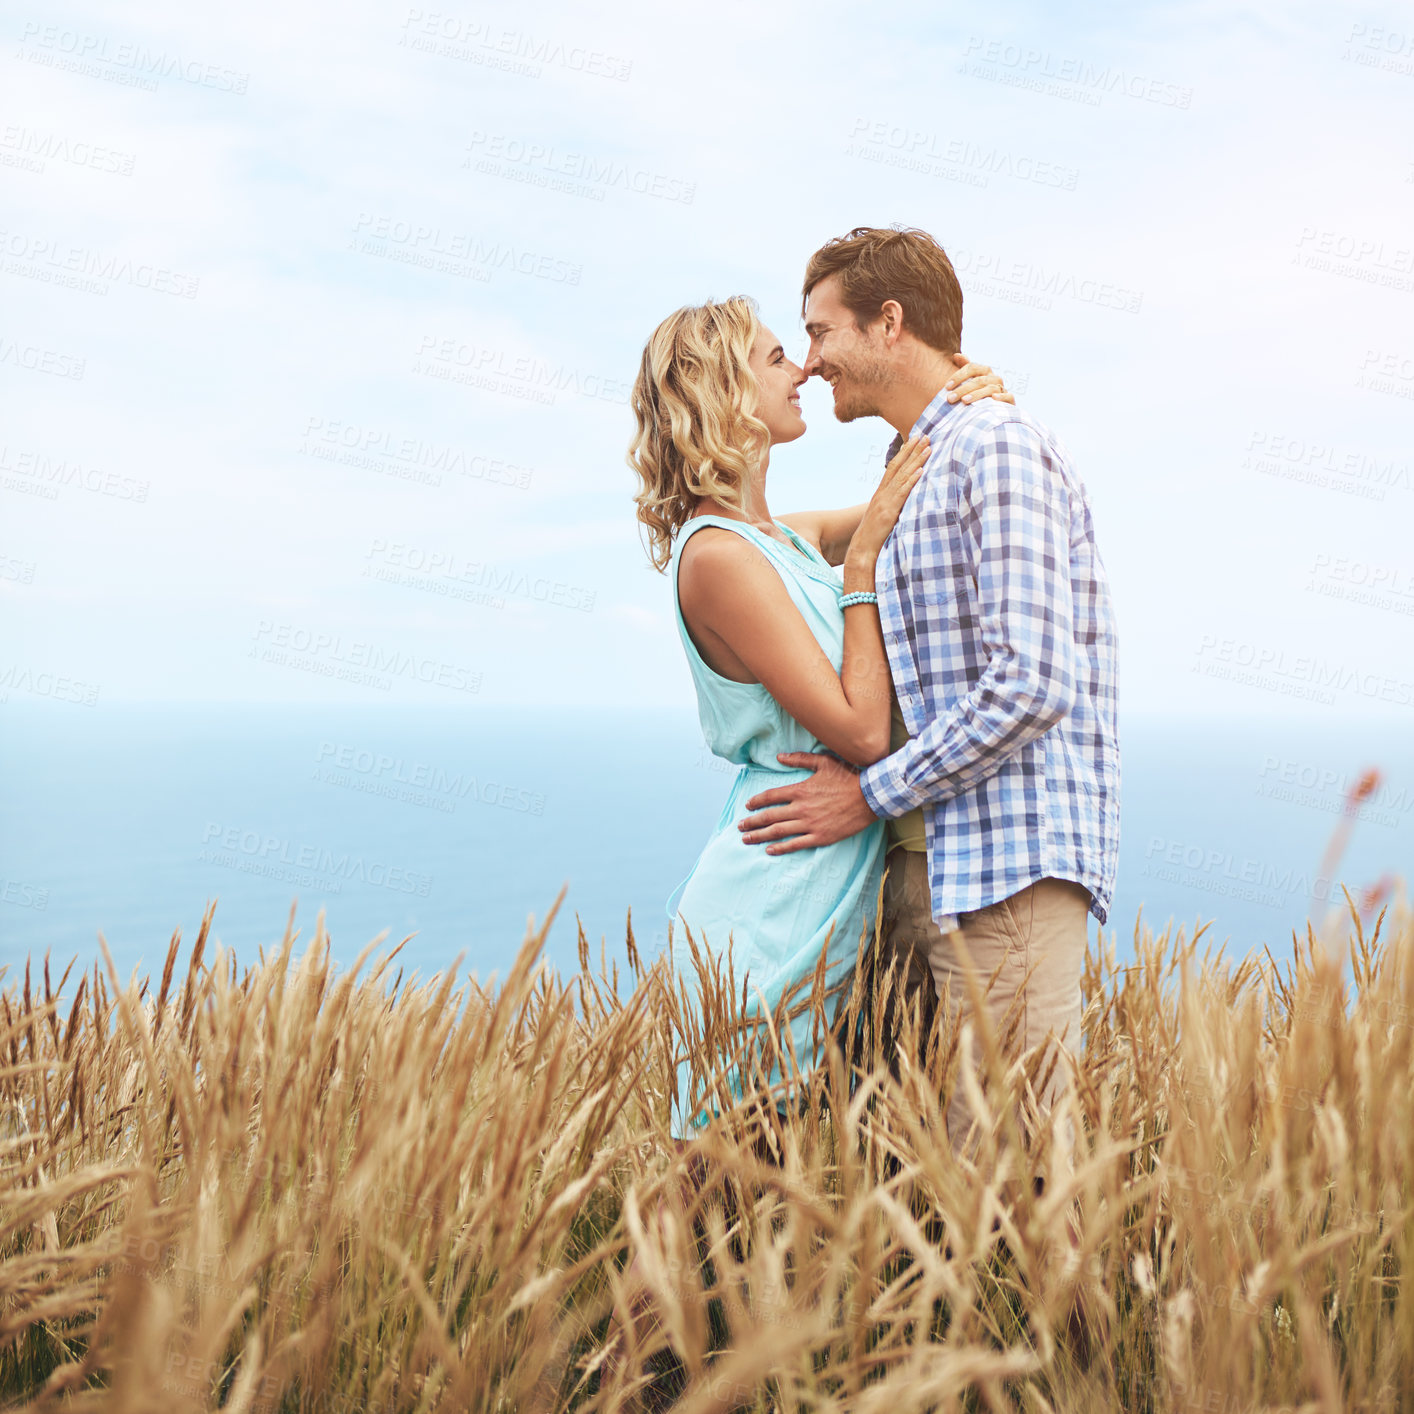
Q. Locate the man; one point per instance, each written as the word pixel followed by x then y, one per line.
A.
pixel 1002 792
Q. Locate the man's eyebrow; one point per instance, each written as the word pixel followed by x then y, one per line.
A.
pixel 816 324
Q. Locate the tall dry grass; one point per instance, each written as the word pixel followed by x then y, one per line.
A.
pixel 283 1188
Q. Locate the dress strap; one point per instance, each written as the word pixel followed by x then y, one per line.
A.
pixel 805 546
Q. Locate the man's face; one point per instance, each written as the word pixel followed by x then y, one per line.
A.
pixel 851 360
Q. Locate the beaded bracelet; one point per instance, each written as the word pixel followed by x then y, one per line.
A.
pixel 860 596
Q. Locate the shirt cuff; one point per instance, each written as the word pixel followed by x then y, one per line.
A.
pixel 886 792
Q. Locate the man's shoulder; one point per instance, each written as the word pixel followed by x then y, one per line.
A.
pixel 990 424
pixel 998 441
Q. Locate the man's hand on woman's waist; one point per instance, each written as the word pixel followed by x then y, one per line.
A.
pixel 825 807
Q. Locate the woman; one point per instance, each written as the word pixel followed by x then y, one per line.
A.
pixel 786 655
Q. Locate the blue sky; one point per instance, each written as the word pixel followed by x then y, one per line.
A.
pixel 356 292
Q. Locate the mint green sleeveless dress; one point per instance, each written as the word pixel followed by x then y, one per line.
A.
pixel 779 911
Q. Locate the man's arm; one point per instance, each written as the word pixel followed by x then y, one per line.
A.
pixel 1016 526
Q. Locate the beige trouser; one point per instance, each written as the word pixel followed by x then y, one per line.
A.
pixel 1040 930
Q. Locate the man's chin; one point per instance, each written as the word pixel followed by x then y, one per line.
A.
pixel 847 411
pixel 852 404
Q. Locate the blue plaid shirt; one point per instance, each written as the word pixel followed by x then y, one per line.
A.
pixel 1001 640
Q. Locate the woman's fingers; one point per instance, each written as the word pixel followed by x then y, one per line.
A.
pixel 974 381
pixel 969 387
pixel 900 477
pixel 902 455
pixel 966 369
pixel 910 472
pixel 977 388
pixel 995 391
pixel 912 467
pixel 969 373
pixel 914 450
pixel 906 475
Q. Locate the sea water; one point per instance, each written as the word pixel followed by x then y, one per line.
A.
pixel 456 829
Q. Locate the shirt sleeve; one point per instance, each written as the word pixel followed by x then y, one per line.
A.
pixel 1015 524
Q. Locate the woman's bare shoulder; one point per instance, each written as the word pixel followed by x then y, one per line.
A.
pixel 714 551
pixel 724 573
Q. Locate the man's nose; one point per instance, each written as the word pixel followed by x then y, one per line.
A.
pixel 812 364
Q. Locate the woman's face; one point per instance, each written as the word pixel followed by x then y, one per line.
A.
pixel 779 381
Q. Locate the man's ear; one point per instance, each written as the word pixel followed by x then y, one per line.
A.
pixel 891 312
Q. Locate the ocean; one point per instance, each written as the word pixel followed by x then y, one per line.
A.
pixel 454 827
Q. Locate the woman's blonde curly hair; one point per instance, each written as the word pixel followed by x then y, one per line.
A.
pixel 695 400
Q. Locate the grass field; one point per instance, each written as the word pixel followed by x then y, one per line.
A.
pixel 261 1184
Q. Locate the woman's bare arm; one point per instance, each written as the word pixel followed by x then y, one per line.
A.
pixel 729 588
pixel 734 599
pixel 829 531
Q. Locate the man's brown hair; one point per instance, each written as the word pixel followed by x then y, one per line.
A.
pixel 875 263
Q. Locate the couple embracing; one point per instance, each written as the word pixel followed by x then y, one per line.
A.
pixel 919 691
